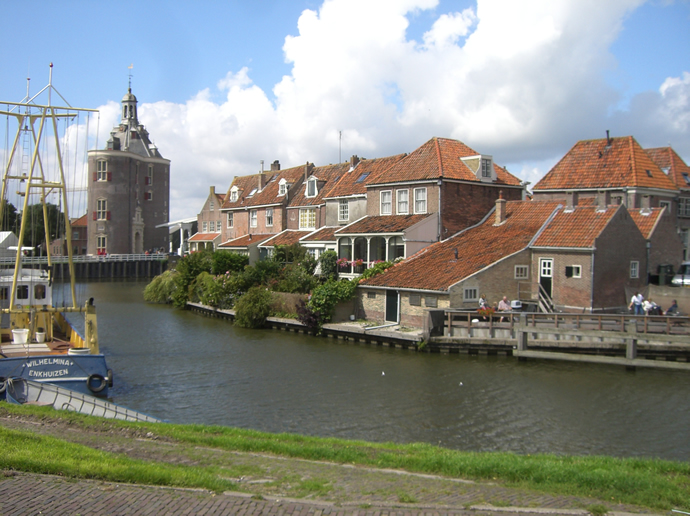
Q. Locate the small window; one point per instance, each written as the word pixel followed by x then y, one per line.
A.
pixel 149 176
pixel 361 178
pixel 233 194
pixel 102 170
pixel 101 244
pixel 649 173
pixel 667 205
pixel 204 227
pixel 371 295
pixel 415 300
pixel 212 226
pixel 307 219
pixel 343 210
pixel 521 272
pixel 283 187
pixel 252 192
pixel 311 188
pixel 23 292
pixel 269 217
pixel 634 269
pixel 431 301
pixel 101 209
pixel 148 196
pixel 386 202
pixel 470 294
pixel 403 202
pixel 39 291
pixel 3 293
pixel 231 219
pixel 210 206
pixel 573 271
pixel 486 168
pixel 252 218
pixel 420 200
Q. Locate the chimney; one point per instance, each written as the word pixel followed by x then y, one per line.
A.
pixel 608 138
pixel 571 199
pixel 275 166
pixel 500 209
pixel 646 203
pixel 307 170
pixel 263 179
pixel 213 190
pixel 603 199
pixel 354 159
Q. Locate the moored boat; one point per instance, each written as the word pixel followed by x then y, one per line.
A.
pixel 38 341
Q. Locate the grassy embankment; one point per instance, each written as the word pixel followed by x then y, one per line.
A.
pixel 651 483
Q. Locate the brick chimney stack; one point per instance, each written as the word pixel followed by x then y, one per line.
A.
pixel 500 209
pixel 353 161
pixel 275 166
pixel 571 199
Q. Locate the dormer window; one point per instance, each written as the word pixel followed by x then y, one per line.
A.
pixel 233 194
pixel 482 166
pixel 486 168
pixel 283 187
pixel 312 189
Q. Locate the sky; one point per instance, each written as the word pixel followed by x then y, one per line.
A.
pixel 224 85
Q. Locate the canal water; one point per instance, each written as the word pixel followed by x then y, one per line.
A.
pixel 187 368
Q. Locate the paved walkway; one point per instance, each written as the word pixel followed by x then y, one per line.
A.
pixel 28 494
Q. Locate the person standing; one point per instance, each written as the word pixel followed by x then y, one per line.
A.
pixel 636 303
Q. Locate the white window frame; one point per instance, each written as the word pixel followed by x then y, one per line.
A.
pixel 486 167
pixel 522 272
pixel 312 188
pixel 420 200
pixel 210 206
pixel 102 170
pixel 666 204
pixel 149 175
pixel 634 269
pixel 470 294
pixel 231 219
pixel 403 201
pixel 212 226
pixel 307 218
pixel 269 217
pixel 253 218
pixel 386 202
pixel 233 194
pixel 282 187
pixel 343 210
pixel 101 242
pixel 101 209
pixel 204 227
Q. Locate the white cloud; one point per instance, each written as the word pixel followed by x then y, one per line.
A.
pixel 520 80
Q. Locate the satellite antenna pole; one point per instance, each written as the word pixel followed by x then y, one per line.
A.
pixel 340 145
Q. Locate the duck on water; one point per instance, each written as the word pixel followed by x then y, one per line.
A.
pixel 37 340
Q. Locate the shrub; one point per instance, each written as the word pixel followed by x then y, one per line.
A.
pixel 295 278
pixel 217 291
pixel 329 266
pixel 224 261
pixel 326 296
pixel 308 317
pixel 377 268
pixel 188 268
pixel 161 288
pixel 252 308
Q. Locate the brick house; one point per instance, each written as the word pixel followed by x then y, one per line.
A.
pixel 664 245
pixel 581 257
pixel 209 224
pixel 79 235
pixel 679 172
pixel 437 190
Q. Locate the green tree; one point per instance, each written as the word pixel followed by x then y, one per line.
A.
pixel 252 309
pixel 10 220
pixel 224 261
pixel 188 268
pixel 329 267
pixel 35 233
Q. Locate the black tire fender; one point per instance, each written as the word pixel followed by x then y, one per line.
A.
pixel 96 383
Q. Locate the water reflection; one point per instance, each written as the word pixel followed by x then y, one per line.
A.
pixel 191 369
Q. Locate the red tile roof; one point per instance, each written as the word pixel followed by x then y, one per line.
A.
pixel 269 195
pixel 287 237
pixel 672 164
pixel 578 228
pixel 646 219
pixel 354 181
pixel 326 177
pixel 81 221
pixel 382 224
pixel 203 237
pixel 326 234
pixel 439 158
pixel 618 163
pixel 245 241
pixel 437 268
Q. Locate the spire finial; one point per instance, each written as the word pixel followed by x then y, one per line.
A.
pixel 130 77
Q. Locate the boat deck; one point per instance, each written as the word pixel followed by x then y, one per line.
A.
pixel 55 347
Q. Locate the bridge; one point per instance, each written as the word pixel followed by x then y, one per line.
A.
pixel 99 267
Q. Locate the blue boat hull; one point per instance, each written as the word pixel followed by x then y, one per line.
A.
pixel 87 374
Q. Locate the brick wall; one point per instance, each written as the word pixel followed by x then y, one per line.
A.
pixel 568 293
pixel 666 245
pixel 374 198
pixel 374 308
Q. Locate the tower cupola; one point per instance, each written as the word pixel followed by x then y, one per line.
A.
pixel 129 108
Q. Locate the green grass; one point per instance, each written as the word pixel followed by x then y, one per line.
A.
pixel 651 483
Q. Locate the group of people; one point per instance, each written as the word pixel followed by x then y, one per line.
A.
pixel 639 306
pixel 503 304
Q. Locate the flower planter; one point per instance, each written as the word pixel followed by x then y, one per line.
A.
pixel 20 336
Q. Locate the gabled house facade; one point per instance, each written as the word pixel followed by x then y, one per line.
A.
pixel 209 224
pixel 679 172
pixel 664 244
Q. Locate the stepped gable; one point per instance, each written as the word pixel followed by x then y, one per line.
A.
pixel 326 177
pixel 576 228
pixel 672 164
pixel 382 224
pixel 357 177
pixel 439 158
pixel 646 219
pixel 325 234
pixel 605 163
pixel 437 268
pixel 287 237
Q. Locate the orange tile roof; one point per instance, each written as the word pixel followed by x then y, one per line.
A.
pixel 245 240
pixel 354 181
pixel 439 158
pixel 382 224
pixel 81 221
pixel 269 195
pixel 672 164
pixel 325 234
pixel 326 177
pixel 287 237
pixel 436 268
pixel 578 228
pixel 646 219
pixel 599 163
pixel 203 237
